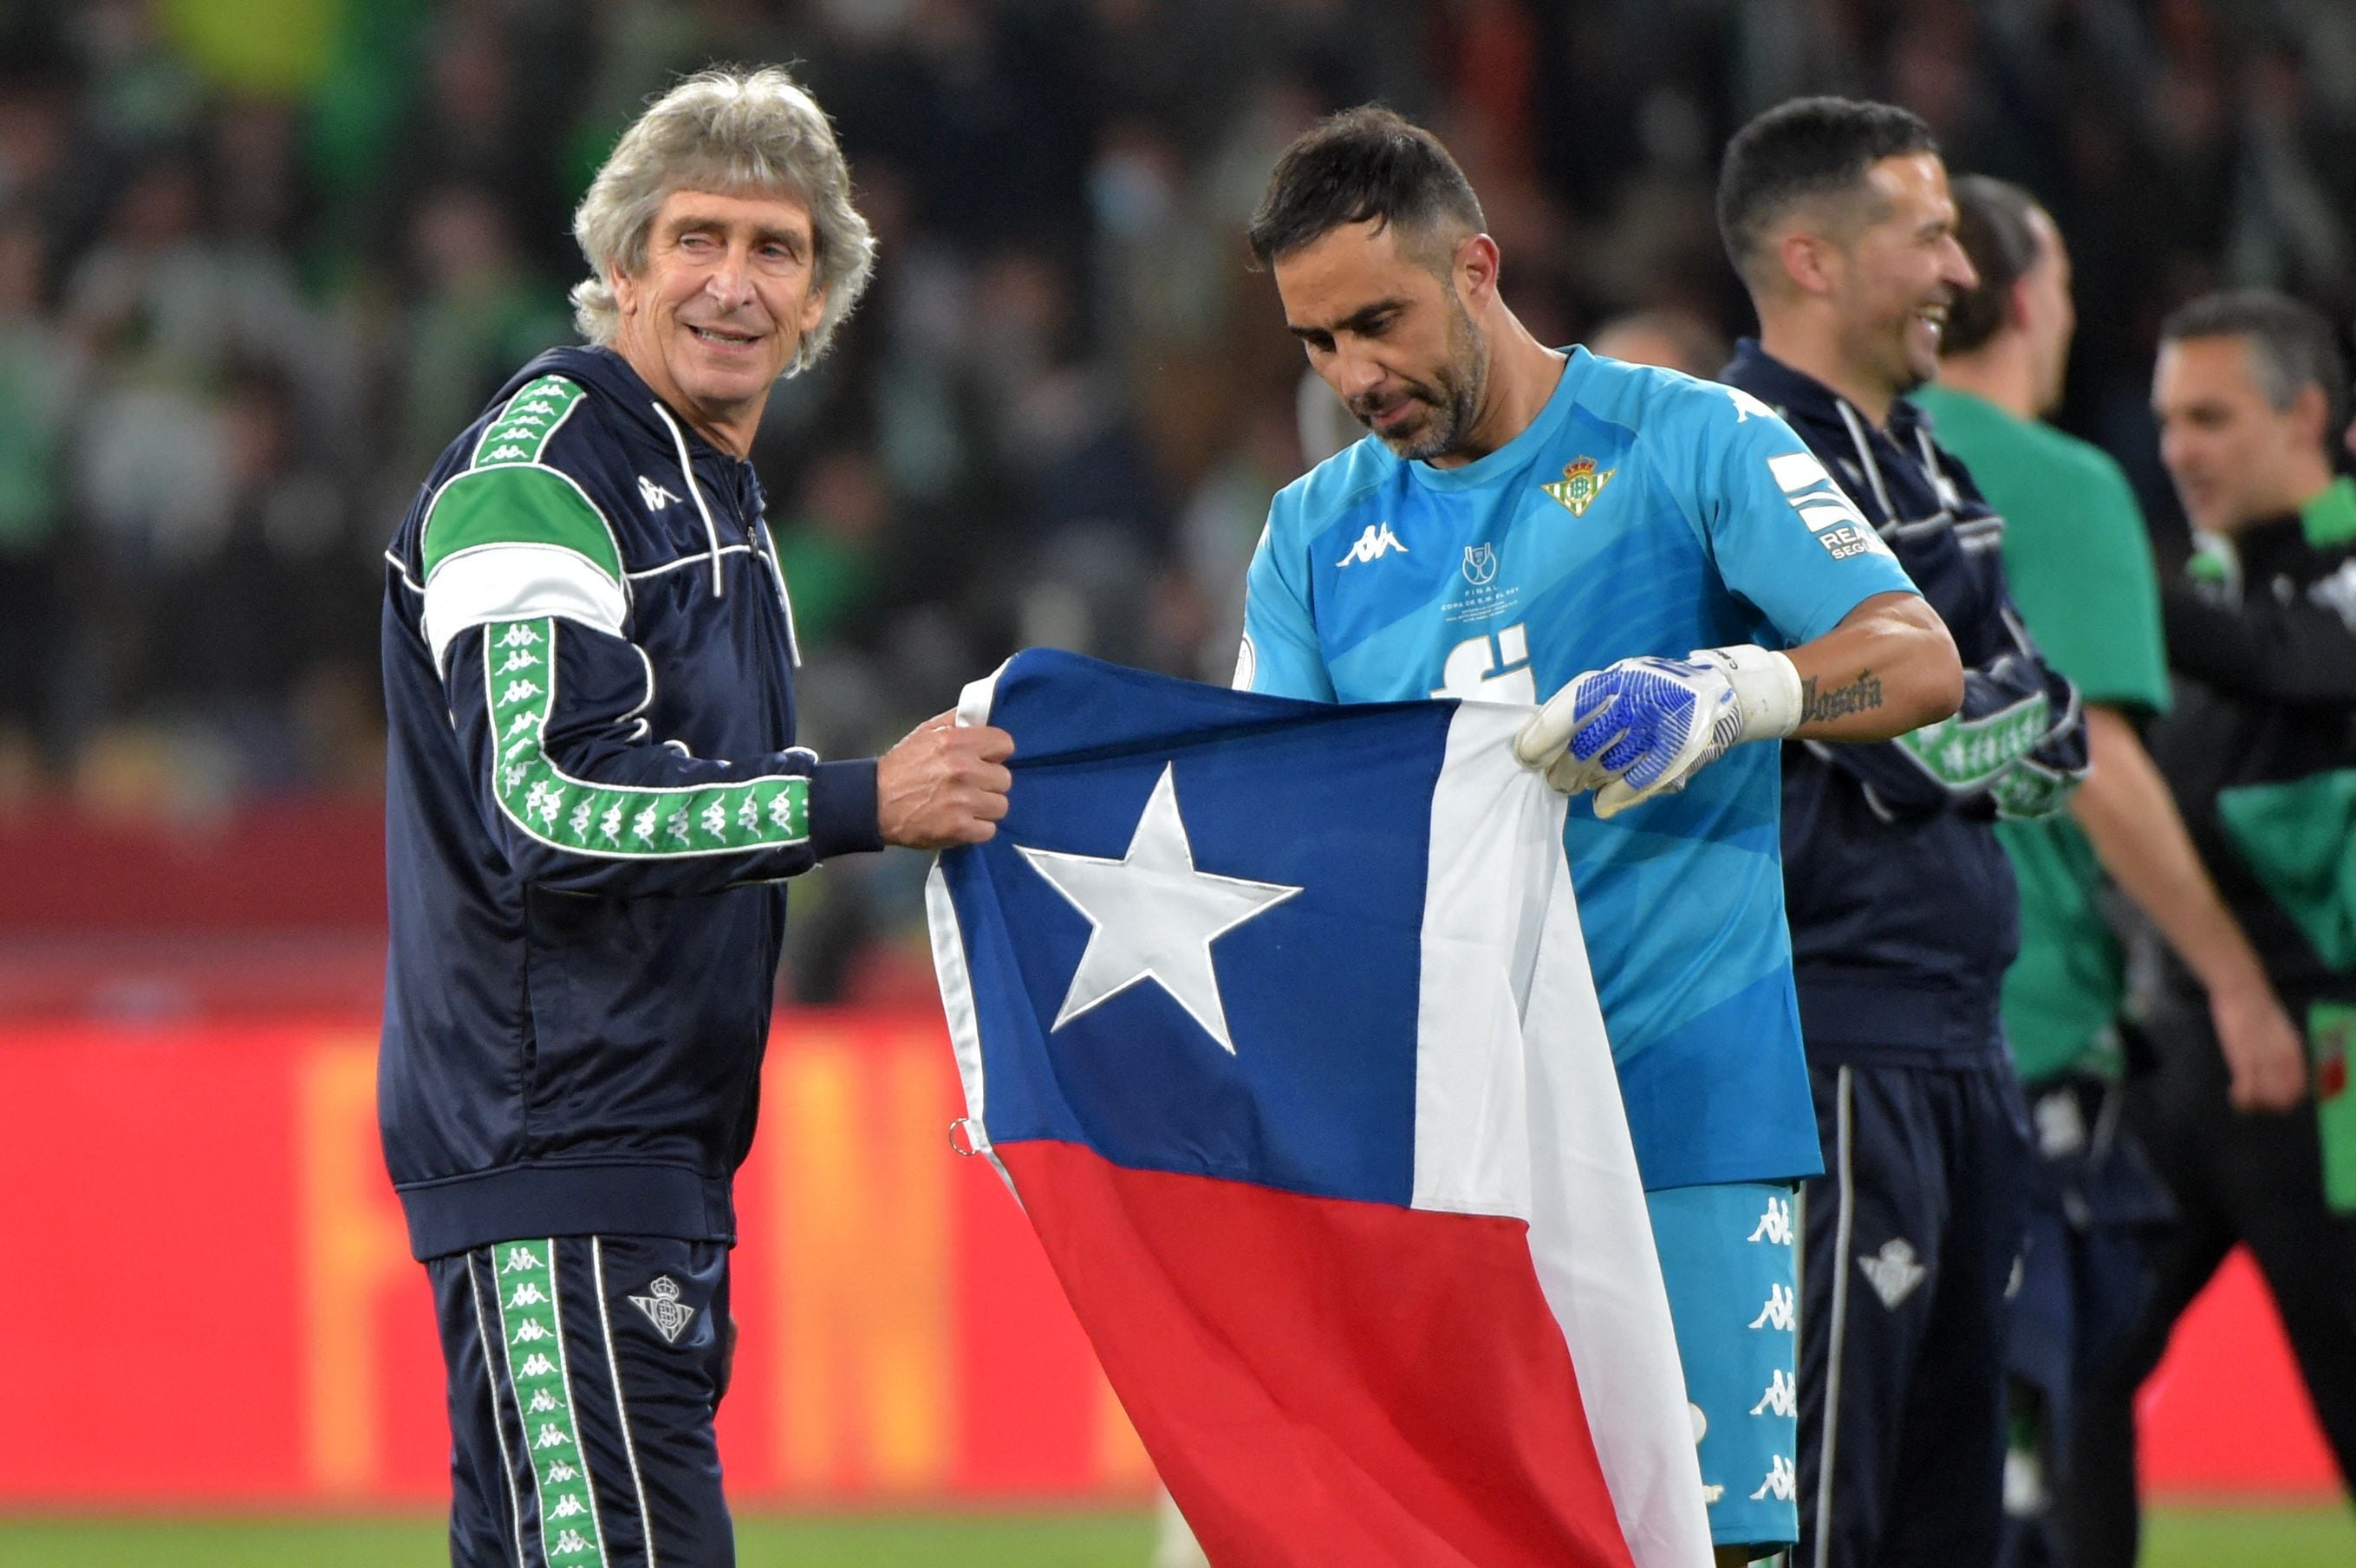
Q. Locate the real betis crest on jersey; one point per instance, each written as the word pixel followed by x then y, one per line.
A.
pixel 1579 485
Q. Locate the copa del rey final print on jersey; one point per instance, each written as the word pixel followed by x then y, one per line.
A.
pixel 1276 1019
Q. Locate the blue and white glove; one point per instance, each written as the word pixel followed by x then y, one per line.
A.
pixel 1644 726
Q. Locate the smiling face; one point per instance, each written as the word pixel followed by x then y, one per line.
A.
pixel 1391 335
pixel 1893 282
pixel 715 316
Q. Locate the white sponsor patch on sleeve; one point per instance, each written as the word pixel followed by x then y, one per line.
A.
pixel 1832 518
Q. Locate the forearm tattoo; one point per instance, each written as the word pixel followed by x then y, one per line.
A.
pixel 1859 696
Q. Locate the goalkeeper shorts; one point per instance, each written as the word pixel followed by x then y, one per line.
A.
pixel 1727 1258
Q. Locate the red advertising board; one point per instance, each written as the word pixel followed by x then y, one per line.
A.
pixel 215 1303
pixel 212 1301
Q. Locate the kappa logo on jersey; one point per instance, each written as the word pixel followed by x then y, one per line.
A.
pixel 1892 1271
pixel 1775 1227
pixel 1745 405
pixel 1780 1483
pixel 1779 1311
pixel 1480 564
pixel 653 495
pixel 1782 1398
pixel 1580 486
pixel 664 1309
pixel 1823 506
pixel 1373 545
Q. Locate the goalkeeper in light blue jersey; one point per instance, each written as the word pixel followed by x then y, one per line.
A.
pixel 1661 563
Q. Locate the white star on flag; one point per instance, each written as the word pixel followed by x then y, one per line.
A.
pixel 1152 916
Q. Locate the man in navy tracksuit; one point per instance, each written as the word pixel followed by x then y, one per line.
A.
pixel 593 795
pixel 1903 908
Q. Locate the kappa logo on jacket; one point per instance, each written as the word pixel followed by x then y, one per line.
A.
pixel 655 496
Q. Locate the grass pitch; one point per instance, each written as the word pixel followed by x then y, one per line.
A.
pixel 2177 1537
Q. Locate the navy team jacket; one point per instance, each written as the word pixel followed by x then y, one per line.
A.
pixel 591 792
pixel 1904 915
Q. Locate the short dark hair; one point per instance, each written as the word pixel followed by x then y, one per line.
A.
pixel 1996 225
pixel 1363 164
pixel 1799 150
pixel 2292 345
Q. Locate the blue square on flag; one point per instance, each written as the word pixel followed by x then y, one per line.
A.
pixel 1230 980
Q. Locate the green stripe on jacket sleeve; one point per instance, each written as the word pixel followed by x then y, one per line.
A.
pixel 628 821
pixel 517 504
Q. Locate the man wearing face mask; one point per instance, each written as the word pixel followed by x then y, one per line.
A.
pixel 1902 909
pixel 2260 753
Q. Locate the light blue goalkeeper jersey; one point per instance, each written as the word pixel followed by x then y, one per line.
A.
pixel 1642 512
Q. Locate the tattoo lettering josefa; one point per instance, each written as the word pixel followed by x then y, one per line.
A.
pixel 1860 695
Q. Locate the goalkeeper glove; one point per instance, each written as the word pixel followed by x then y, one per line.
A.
pixel 1643 727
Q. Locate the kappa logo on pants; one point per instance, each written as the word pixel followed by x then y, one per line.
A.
pixel 663 1308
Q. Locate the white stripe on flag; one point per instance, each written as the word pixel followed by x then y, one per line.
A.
pixel 956 1002
pixel 1590 1234
pixel 1495 830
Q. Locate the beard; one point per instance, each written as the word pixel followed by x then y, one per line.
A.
pixel 1452 400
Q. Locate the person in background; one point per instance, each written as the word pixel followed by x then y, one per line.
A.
pixel 1673 338
pixel 1903 914
pixel 2251 391
pixel 2079 562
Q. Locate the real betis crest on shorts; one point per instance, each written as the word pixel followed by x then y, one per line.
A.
pixel 1579 485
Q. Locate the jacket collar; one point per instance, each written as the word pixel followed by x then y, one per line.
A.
pixel 627 394
pixel 1802 397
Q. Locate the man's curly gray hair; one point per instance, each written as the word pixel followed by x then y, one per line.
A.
pixel 732 132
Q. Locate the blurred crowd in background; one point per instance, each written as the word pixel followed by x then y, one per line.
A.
pixel 260 260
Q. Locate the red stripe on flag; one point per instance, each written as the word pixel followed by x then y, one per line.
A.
pixel 1325 1381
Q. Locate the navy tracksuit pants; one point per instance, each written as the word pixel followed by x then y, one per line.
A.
pixel 1909 1245
pixel 584 1373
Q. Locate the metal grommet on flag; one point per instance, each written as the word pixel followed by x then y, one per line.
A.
pixel 962 1137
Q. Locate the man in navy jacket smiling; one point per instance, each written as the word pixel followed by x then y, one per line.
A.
pixel 1904 911
pixel 593 798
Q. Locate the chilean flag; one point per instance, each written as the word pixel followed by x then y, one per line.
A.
pixel 1276 1019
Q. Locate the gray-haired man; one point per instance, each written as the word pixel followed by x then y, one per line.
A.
pixel 593 794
